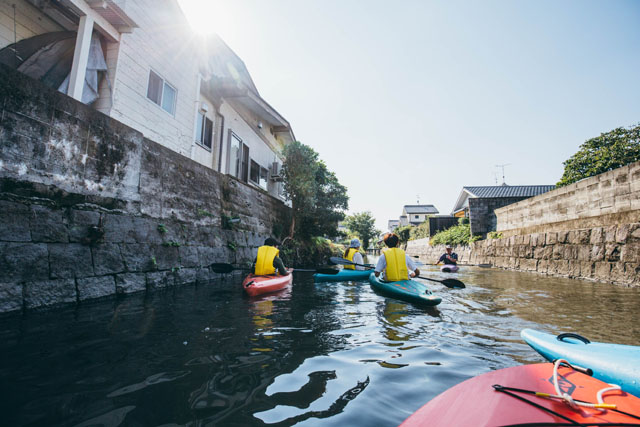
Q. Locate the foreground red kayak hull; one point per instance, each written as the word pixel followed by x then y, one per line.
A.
pixel 475 402
pixel 257 285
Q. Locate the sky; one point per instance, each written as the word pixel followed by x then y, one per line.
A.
pixel 413 99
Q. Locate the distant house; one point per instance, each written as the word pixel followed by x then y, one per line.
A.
pixel 139 62
pixel 479 203
pixel 416 214
pixel 393 224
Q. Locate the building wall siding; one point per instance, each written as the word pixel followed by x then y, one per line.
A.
pixel 29 22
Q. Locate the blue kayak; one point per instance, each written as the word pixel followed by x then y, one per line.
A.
pixel 612 363
pixel 343 276
pixel 406 290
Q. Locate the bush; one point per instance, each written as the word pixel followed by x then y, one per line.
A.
pixel 456 235
pixel 310 253
pixel 494 235
pixel 419 232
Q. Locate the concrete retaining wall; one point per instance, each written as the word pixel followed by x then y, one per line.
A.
pixel 89 208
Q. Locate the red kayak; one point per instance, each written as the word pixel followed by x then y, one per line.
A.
pixel 495 399
pixel 257 285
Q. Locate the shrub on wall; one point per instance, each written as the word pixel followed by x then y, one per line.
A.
pixel 456 235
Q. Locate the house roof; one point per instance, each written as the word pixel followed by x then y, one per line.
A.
pixel 497 191
pixel 420 209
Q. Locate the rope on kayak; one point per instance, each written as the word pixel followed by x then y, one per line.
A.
pixel 573 403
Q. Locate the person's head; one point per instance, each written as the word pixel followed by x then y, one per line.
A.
pixel 270 241
pixel 355 243
pixel 448 249
pixel 391 240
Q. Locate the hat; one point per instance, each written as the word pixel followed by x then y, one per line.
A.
pixel 355 243
pixel 447 247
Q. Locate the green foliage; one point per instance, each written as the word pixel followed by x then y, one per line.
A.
pixel 494 235
pixel 154 262
pixel 318 200
pixel 608 151
pixel 162 228
pixel 362 225
pixel 232 245
pixel 171 243
pixel 202 212
pixel 463 220
pixel 456 235
pixel 228 221
pixel 419 232
pixel 403 233
pixel 310 253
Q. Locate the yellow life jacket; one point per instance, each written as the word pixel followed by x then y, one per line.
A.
pixel 350 254
pixel 264 261
pixel 396 265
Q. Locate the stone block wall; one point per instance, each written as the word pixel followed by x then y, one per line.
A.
pixel 90 208
pixel 608 254
pixel 609 198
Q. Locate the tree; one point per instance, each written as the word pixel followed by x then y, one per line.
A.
pixel 318 200
pixel 362 225
pixel 608 151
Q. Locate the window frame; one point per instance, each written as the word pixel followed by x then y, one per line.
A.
pixel 202 125
pixel 164 82
pixel 251 163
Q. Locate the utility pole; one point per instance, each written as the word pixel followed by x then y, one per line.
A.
pixel 502 167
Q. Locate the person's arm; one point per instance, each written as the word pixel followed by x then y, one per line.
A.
pixel 441 259
pixel 357 258
pixel 380 265
pixel 279 265
pixel 412 267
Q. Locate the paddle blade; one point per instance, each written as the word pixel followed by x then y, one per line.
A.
pixel 338 260
pixel 453 283
pixel 327 271
pixel 219 267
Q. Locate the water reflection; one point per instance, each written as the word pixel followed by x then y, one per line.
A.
pixel 314 354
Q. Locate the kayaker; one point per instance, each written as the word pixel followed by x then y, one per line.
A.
pixel 267 261
pixel 395 264
pixel 352 253
pixel 448 258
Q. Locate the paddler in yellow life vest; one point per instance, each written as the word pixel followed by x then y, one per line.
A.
pixel 395 264
pixel 267 261
pixel 353 254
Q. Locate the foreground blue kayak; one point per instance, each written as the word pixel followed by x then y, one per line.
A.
pixel 406 290
pixel 343 276
pixel 612 363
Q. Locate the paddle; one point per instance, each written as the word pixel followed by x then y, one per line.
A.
pixel 221 267
pixel 459 265
pixel 449 283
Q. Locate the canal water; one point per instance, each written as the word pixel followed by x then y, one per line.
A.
pixel 328 354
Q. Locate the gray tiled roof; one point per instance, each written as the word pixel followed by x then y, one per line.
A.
pixel 420 209
pixel 496 191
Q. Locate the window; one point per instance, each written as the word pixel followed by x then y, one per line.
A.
pixel 254 174
pixel 161 93
pixel 417 216
pixel 219 138
pixel 238 158
pixel 264 173
pixel 204 131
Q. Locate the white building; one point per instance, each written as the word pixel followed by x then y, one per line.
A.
pixel 416 214
pixel 190 94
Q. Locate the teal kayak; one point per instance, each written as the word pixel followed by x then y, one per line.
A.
pixel 405 290
pixel 343 276
pixel 612 363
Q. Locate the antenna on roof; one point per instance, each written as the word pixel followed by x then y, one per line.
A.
pixel 502 166
pixel 418 197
